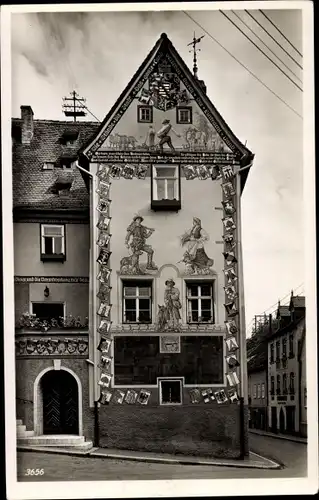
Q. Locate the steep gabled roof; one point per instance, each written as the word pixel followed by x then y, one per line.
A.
pixel 297 301
pixel 165 47
pixel 31 184
pixel 283 311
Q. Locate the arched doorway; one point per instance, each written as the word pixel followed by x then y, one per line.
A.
pixel 60 403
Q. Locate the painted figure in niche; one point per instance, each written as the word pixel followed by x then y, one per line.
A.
pixel 164 135
pixel 150 138
pixel 169 315
pixel 195 257
pixel 135 241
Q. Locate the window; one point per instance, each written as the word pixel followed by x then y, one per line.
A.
pixel 263 391
pixel 48 310
pixel 48 166
pixel 291 346
pixel 272 353
pixel 292 383
pixel 258 391
pixel 305 397
pixel 277 351
pixel 255 391
pixel 166 187
pixel 67 163
pixel 137 302
pixel 272 385
pixel 284 347
pixel 184 115
pixel 170 392
pixel 52 242
pixel 278 384
pixel 200 303
pixel 284 384
pixel 144 114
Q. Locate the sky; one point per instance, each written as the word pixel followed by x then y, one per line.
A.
pixel 96 54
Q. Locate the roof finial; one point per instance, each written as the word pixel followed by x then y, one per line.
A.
pixel 194 50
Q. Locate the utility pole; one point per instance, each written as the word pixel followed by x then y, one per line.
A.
pixel 74 109
pixel 194 50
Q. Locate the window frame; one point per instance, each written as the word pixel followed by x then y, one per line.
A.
pixel 60 257
pixel 258 391
pixel 137 284
pixel 166 203
pixel 278 384
pixel 49 168
pixel 272 353
pixel 142 107
pixel 284 383
pixel 272 385
pixel 170 379
pixel 292 378
pixel 255 392
pixel 178 118
pixel 199 298
pixel 263 391
pixel 291 353
pixel 48 303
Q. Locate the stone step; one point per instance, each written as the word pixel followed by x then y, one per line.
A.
pixel 19 422
pixel 22 434
pixel 21 428
pixel 52 440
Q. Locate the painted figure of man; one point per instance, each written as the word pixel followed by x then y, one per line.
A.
pixel 195 256
pixel 172 304
pixel 135 241
pixel 164 135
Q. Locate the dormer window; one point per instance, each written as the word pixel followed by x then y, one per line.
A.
pixel 48 165
pixel 166 187
pixel 67 163
pixel 69 137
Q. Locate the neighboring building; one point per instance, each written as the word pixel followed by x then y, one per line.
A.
pixel 145 242
pixel 257 359
pixel 286 369
pixel 51 223
pixel 302 384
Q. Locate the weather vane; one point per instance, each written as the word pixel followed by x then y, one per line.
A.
pixel 194 50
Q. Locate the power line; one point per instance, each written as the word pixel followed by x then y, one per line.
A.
pixel 241 64
pixel 271 22
pixel 270 50
pixel 260 50
pixel 273 38
pixel 83 105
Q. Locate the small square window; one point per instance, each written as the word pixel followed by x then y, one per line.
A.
pixel 184 115
pixel 170 392
pixel 145 114
pixel 52 242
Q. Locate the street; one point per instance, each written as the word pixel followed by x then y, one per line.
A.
pixel 74 468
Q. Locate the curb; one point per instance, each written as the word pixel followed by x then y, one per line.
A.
pixel 276 436
pixel 93 452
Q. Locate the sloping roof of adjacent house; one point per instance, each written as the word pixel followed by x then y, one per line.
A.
pixel 32 186
pixel 283 311
pixel 297 301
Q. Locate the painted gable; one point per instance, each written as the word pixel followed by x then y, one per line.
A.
pixel 164 109
pixel 163 98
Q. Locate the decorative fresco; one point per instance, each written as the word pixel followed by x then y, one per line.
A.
pixel 51 346
pixel 198 136
pixel 195 258
pixel 136 242
pixel 169 314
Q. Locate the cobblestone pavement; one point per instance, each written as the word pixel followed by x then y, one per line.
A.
pixel 75 468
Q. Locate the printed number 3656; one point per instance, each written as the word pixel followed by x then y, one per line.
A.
pixel 34 472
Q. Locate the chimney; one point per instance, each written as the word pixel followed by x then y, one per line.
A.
pixel 27 124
